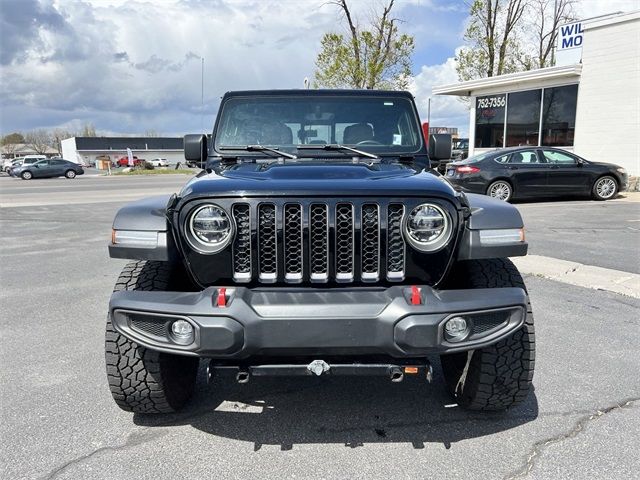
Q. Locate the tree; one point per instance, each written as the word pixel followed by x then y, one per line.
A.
pixel 89 130
pixel 493 47
pixel 549 15
pixel 39 140
pixel 60 134
pixel 375 57
pixel 12 139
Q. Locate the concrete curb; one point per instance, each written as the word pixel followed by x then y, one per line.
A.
pixel 587 276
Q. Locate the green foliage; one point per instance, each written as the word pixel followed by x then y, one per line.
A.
pixel 377 57
pixel 12 138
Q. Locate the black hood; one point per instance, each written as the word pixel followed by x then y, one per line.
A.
pixel 318 178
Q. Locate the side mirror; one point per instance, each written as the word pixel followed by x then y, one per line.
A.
pixel 580 162
pixel 195 148
pixel 440 146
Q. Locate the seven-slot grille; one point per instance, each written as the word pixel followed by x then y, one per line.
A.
pixel 318 242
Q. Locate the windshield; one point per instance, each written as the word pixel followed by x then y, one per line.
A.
pixel 385 125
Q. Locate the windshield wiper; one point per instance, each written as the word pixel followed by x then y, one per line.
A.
pixel 258 148
pixel 335 146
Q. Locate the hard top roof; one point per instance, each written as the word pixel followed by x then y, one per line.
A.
pixel 320 93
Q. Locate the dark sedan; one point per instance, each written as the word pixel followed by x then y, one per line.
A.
pixel 520 172
pixel 51 167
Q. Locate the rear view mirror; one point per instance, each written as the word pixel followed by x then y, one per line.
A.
pixel 195 148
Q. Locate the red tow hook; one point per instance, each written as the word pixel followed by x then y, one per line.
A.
pixel 416 299
pixel 222 298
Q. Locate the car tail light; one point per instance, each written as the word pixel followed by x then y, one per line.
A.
pixel 467 169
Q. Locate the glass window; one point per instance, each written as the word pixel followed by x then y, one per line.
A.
pixel 384 124
pixel 523 118
pixel 502 159
pixel 490 121
pixel 559 157
pixel 559 115
pixel 526 156
pixel 58 162
pixel 42 163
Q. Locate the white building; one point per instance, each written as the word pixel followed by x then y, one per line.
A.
pixel 90 149
pixel 589 103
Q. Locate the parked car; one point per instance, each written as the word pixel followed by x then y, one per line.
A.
pixel 159 162
pixel 53 167
pixel 520 172
pixel 124 161
pixel 9 164
pixel 460 149
pixel 319 242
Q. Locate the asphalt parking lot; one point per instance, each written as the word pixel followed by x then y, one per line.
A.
pixel 58 419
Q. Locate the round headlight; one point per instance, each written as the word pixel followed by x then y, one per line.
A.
pixel 210 229
pixel 427 228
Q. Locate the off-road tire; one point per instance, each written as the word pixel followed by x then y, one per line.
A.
pixel 499 376
pixel 143 380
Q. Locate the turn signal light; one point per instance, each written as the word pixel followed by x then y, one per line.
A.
pixel 467 169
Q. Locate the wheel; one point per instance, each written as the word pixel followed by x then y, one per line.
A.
pixel 143 380
pixel 500 189
pixel 499 376
pixel 70 174
pixel 605 188
pixel 26 175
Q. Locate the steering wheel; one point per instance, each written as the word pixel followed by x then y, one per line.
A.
pixel 368 142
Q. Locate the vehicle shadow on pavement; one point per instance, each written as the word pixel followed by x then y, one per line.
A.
pixel 352 411
pixel 565 198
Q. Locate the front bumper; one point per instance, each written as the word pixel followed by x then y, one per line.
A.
pixel 307 321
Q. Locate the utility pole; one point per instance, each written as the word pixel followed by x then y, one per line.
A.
pixel 202 96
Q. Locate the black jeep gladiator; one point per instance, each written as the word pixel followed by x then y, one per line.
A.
pixel 318 241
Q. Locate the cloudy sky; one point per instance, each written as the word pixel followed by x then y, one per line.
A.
pixel 130 66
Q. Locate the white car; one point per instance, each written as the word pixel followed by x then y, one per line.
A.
pixel 26 160
pixel 159 162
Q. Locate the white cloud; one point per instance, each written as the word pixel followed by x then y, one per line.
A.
pixel 134 65
pixel 446 111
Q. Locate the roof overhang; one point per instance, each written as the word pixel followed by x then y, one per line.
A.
pixel 512 81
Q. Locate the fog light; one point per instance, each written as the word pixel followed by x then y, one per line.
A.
pixel 182 331
pixel 456 329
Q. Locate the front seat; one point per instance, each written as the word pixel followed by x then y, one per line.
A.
pixel 517 158
pixel 276 134
pixel 354 134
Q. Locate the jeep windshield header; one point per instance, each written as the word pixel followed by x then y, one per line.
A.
pixel 385 125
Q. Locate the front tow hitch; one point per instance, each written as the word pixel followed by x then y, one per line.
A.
pixel 395 371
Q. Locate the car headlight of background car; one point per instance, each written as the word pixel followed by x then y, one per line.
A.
pixel 428 228
pixel 209 229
